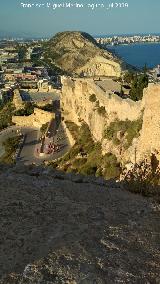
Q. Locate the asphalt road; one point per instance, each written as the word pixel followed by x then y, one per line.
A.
pixel 10 132
pixel 57 135
pixel 28 154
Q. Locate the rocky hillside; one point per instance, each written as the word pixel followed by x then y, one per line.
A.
pixel 79 53
pixel 65 228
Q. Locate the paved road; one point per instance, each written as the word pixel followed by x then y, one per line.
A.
pixel 10 132
pixel 57 134
pixel 28 154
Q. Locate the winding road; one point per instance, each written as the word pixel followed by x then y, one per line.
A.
pixel 28 153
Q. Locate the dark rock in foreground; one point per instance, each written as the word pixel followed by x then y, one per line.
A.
pixel 58 228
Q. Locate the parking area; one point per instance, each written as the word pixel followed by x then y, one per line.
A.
pixel 39 96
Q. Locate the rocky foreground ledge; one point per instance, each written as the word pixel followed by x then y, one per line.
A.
pixel 61 228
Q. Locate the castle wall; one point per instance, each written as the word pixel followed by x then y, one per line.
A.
pixel 37 119
pixel 77 107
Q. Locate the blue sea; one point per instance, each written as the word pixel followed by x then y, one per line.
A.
pixel 139 54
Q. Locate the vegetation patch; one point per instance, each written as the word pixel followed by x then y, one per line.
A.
pixel 26 111
pixel 6 115
pixel 10 145
pixel 101 110
pixel 137 83
pixel 92 98
pixel 123 131
pixel 144 178
pixel 85 157
pixel 44 127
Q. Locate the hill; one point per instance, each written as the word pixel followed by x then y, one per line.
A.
pixel 79 53
pixel 61 228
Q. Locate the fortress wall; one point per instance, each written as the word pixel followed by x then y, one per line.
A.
pixel 149 141
pixel 17 100
pixel 36 119
pixel 75 101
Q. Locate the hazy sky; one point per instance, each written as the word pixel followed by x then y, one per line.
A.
pixel 142 16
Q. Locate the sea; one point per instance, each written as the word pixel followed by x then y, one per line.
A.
pixel 138 55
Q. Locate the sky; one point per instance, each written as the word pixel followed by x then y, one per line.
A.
pixel 141 16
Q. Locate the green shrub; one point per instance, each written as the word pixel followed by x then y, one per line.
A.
pixel 44 127
pixel 27 110
pixel 127 128
pixel 88 170
pixel 101 110
pixel 111 166
pixel 77 163
pixel 6 115
pixel 73 128
pixel 10 145
pixel 92 98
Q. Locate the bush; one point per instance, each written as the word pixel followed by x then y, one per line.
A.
pixel 27 110
pixel 10 145
pixel 77 163
pixel 101 110
pixel 92 98
pixel 88 170
pixel 92 162
pixel 144 178
pixel 73 128
pixel 111 166
pixel 6 115
pixel 44 127
pixel 128 129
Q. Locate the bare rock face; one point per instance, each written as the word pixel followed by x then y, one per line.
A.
pixel 61 228
pixel 78 52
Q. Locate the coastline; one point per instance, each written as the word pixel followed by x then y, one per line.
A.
pixel 137 54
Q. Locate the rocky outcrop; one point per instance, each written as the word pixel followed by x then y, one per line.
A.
pixel 64 228
pixel 37 119
pixel 79 53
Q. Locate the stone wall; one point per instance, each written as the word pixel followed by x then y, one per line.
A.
pixel 37 119
pixel 17 100
pixel 149 141
pixel 77 107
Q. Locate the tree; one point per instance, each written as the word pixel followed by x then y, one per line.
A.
pixel 138 84
pixel 22 53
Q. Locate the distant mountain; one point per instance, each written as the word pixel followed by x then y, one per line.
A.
pixel 78 52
